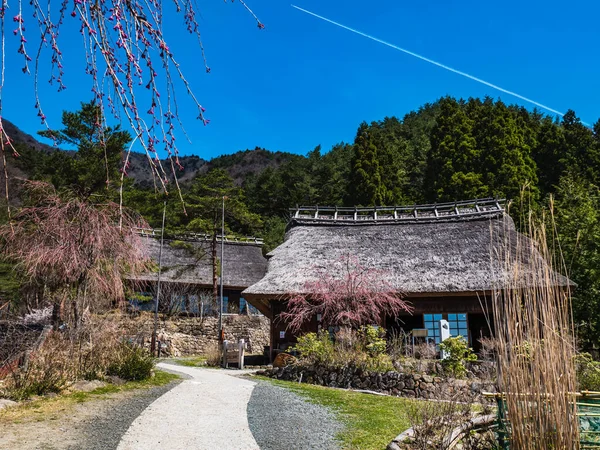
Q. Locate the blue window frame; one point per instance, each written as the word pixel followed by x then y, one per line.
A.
pixel 458 325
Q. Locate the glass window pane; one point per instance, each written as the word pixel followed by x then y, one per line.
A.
pixel 437 317
pixel 451 317
pixel 427 317
pixel 462 317
pixel 463 332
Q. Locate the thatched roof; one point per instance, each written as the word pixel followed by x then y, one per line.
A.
pixel 190 262
pixel 444 253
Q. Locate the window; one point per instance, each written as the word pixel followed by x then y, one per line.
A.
pixel 458 325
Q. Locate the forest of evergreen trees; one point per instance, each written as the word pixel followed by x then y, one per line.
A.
pixel 449 150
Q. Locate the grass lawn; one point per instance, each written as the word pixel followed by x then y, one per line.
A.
pixel 192 361
pixel 372 421
pixel 49 405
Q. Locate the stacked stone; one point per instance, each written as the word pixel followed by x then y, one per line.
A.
pixel 410 385
pixel 187 336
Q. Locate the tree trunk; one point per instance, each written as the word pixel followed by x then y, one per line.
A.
pixel 56 316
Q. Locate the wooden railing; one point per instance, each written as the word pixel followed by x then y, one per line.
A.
pixel 152 232
pixel 432 212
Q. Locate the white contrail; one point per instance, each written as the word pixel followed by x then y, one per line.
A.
pixel 443 66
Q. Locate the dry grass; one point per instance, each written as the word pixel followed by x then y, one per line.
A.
pixel 51 408
pixel 213 355
pixel 535 343
pixel 97 347
pixel 434 422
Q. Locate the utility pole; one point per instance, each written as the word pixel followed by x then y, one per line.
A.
pixel 221 270
pixel 162 236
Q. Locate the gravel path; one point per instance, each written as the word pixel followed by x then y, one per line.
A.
pixel 280 419
pixel 209 410
pixel 219 410
pixel 95 424
pixel 206 412
pixel 104 430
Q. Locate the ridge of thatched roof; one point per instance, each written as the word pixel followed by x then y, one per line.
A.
pixel 190 262
pixel 435 212
pixel 429 257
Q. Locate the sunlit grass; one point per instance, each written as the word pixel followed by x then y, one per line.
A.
pixel 193 361
pixel 48 408
pixel 371 421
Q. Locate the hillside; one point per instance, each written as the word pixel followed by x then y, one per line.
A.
pixel 28 140
pixel 239 165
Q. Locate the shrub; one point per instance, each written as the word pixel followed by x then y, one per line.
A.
pixel 588 372
pixel 425 351
pixel 317 348
pixel 213 355
pixel 134 364
pixel 48 369
pixel 457 354
pixel 373 340
pixel 364 349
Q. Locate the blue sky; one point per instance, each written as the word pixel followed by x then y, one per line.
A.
pixel 301 82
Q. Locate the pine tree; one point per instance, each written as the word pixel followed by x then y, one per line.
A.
pixel 453 159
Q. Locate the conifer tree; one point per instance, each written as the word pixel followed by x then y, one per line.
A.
pixel 452 161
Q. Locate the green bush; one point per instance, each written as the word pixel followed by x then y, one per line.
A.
pixel 26 383
pixel 458 353
pixel 315 347
pixel 588 372
pixel 134 364
pixel 373 339
pixel 364 349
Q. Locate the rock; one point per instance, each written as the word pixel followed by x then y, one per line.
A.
pixel 6 403
pixel 427 379
pixel 118 381
pixel 86 386
pixel 284 359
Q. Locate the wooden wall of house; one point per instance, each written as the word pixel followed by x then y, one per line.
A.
pixel 477 308
pixel 478 327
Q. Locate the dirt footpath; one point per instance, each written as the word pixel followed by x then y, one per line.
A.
pixel 96 424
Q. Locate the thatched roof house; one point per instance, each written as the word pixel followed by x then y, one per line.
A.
pixel 444 258
pixel 187 270
pixel 189 261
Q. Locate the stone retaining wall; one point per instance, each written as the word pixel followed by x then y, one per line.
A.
pixel 410 385
pixel 187 336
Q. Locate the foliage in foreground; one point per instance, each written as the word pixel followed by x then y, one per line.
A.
pixel 364 349
pixel 588 372
pixel 96 350
pixel 50 407
pixel 133 364
pixel 457 354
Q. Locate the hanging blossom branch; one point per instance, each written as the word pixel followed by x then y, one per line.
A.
pixel 345 294
pixel 62 241
pixel 126 57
